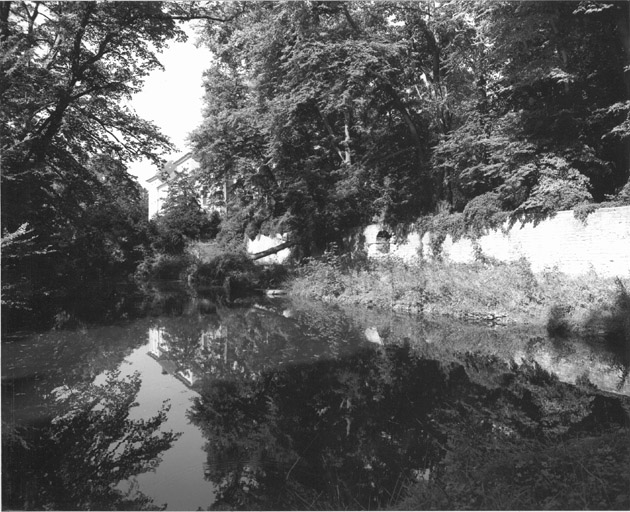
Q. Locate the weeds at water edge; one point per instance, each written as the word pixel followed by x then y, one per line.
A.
pixel 509 290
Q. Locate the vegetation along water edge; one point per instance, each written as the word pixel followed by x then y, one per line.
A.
pixel 499 293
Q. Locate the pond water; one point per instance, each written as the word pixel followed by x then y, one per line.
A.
pixel 273 404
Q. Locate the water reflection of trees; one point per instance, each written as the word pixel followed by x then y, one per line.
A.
pixel 356 431
pixel 345 433
pixel 34 365
pixel 301 412
pixel 605 361
pixel 213 339
pixel 76 461
pixel 247 341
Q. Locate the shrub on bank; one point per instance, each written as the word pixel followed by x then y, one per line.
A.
pixel 620 317
pixel 558 325
pixel 164 266
pixel 610 321
pixel 429 287
pixel 274 276
pixel 214 263
pixel 218 268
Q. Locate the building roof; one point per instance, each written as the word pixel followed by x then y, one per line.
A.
pixel 170 168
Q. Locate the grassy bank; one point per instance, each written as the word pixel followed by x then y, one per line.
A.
pixel 498 292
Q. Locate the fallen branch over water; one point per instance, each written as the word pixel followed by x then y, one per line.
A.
pixel 273 250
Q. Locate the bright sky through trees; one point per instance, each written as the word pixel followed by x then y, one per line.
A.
pixel 172 98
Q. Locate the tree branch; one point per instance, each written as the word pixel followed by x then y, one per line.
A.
pixel 352 23
pixel 434 49
pixel 103 126
pixel 400 106
pixel 96 88
pixel 330 133
pixel 191 17
pixel 31 17
pixel 5 9
pixel 102 48
pixel 273 250
pixel 347 140
pixel 192 14
pixel 78 39
pixel 54 50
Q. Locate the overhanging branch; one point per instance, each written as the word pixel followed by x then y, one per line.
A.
pixel 273 250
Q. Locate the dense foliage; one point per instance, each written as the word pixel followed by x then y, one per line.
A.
pixel 72 218
pixel 320 116
pixel 182 218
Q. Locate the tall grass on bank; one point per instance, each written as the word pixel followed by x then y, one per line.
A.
pixel 496 290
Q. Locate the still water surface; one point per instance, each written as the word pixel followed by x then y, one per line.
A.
pixel 274 404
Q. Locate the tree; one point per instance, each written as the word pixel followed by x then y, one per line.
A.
pixel 369 110
pixel 317 88
pixel 66 70
pixel 182 218
pixel 553 111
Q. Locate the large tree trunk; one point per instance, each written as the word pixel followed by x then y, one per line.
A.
pixel 347 140
pixel 5 9
pixel 331 134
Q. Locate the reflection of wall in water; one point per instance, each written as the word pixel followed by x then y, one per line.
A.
pixel 213 337
pixel 187 376
pixel 580 361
